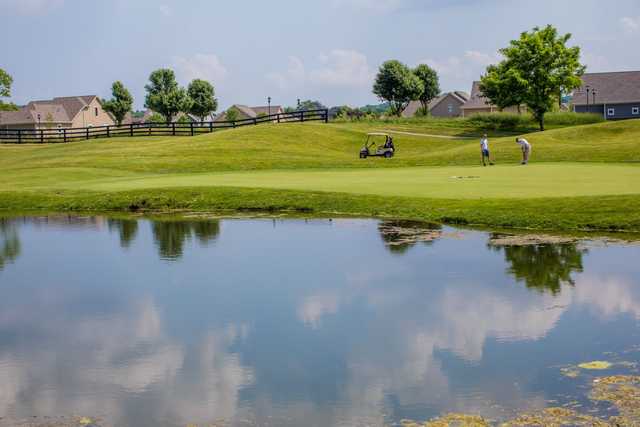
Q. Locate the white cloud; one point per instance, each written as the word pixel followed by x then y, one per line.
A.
pixel 343 68
pixel 293 76
pixel 339 68
pixel 165 10
pixel 30 7
pixel 457 72
pixel 370 5
pixel 596 63
pixel 200 66
pixel 630 25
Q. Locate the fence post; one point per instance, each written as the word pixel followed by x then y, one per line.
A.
pixel 278 116
pixel 108 133
pixel 210 127
pixel 87 133
pixel 234 123
pixel 19 136
pixel 326 116
pixel 302 116
pixel 131 129
pixel 41 136
pixel 150 125
pixel 173 128
pixel 64 134
pixel 191 126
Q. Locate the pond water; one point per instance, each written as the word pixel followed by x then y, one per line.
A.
pixel 301 322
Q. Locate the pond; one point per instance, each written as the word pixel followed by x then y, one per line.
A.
pixel 140 322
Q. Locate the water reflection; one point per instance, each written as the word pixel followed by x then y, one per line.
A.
pixel 302 328
pixel 400 235
pixel 9 242
pixel 544 267
pixel 171 236
pixel 127 228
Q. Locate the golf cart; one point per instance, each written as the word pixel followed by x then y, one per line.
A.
pixel 370 149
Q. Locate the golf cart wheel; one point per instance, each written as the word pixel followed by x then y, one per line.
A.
pixel 363 156
pixel 388 155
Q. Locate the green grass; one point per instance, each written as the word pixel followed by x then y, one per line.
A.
pixel 581 177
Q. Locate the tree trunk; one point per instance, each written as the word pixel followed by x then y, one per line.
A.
pixel 541 121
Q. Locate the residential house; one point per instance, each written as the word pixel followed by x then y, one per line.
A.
pixel 60 113
pixel 614 95
pixel 245 112
pixel 445 105
pixel 478 103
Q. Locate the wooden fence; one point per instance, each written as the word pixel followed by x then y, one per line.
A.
pixel 61 135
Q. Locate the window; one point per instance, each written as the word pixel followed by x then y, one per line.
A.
pixel 635 110
pixel 450 108
pixel 611 111
pixel 96 111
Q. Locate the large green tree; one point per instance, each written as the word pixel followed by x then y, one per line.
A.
pixel 431 85
pixel 398 85
pixel 121 102
pixel 165 96
pixel 5 91
pixel 539 65
pixel 503 86
pixel 203 100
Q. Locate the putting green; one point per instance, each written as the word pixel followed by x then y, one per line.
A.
pixel 513 181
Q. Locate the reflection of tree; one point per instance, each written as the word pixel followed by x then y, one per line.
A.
pixel 544 267
pixel 128 229
pixel 401 235
pixel 170 236
pixel 9 242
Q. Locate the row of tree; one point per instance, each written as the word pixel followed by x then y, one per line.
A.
pixel 398 85
pixel 538 69
pixel 165 97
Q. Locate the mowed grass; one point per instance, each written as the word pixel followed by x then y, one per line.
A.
pixel 315 168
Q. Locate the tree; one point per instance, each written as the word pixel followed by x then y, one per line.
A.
pixel 203 101
pixel 503 86
pixel 156 118
pixel 310 105
pixel 539 66
pixel 121 102
pixel 431 85
pixel 5 84
pixel 165 96
pixel 396 84
pixel 231 114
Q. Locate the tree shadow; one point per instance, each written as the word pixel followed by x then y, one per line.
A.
pixel 543 267
pixel 171 236
pixel 9 242
pixel 401 235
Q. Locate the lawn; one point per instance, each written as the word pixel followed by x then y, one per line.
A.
pixel 581 177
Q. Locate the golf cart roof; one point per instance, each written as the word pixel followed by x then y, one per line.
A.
pixel 377 134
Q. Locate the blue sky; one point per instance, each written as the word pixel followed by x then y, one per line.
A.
pixel 287 49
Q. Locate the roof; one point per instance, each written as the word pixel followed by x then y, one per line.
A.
pixel 413 106
pixel 265 109
pixel 56 110
pixel 476 100
pixel 611 88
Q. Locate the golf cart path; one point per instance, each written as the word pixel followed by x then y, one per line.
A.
pixel 426 135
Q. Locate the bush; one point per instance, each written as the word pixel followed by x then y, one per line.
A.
pixel 500 121
pixel 565 118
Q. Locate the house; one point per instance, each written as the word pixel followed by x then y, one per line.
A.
pixel 244 112
pixel 477 103
pixel 445 105
pixel 60 113
pixel 614 95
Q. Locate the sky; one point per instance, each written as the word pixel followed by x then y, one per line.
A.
pixel 327 50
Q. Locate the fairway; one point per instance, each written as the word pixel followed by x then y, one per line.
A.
pixel 543 180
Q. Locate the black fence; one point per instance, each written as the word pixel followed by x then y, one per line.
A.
pixel 60 135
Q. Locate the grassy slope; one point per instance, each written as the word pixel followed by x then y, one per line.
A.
pixel 118 173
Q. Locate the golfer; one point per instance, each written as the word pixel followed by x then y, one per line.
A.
pixel 526 149
pixel 484 150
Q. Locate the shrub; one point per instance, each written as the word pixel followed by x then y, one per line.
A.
pixel 500 121
pixel 565 118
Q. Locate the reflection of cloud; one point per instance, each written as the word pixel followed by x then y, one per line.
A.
pixel 315 307
pixel 608 296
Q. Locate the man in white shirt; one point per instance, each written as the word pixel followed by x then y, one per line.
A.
pixel 484 150
pixel 526 149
